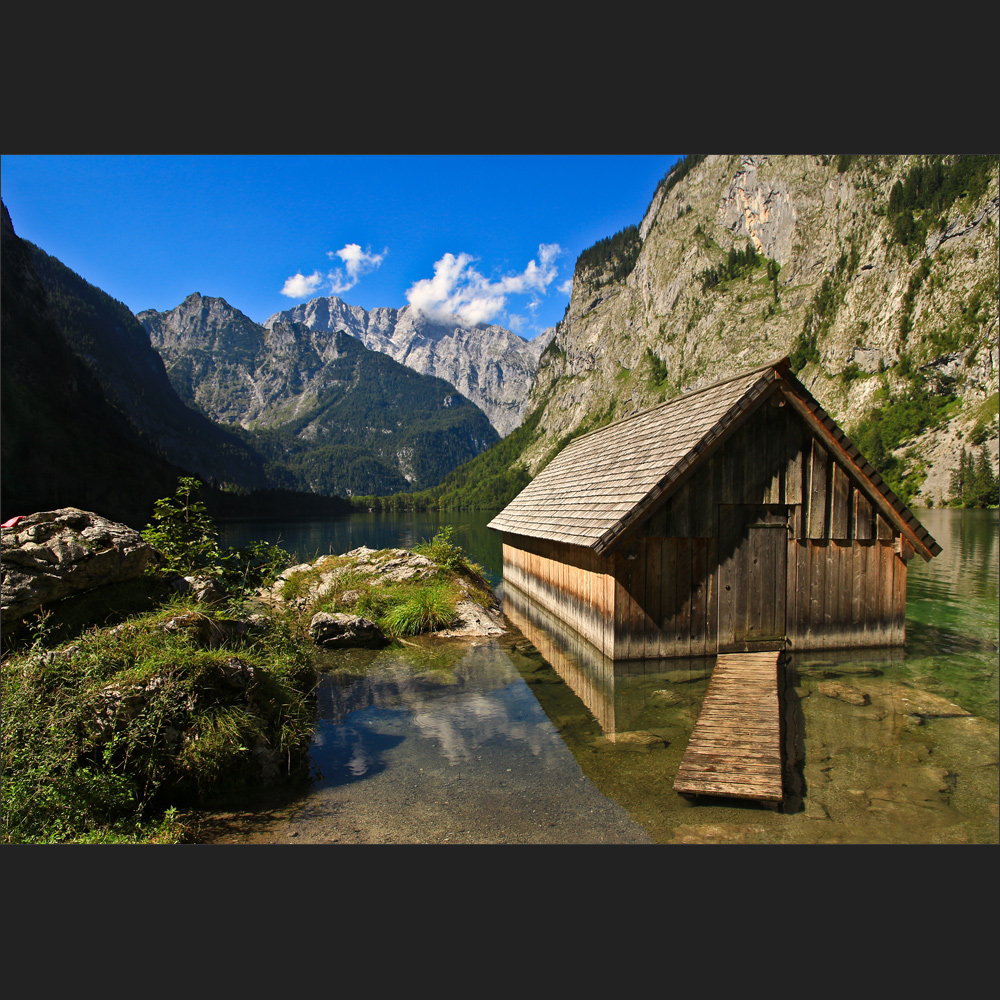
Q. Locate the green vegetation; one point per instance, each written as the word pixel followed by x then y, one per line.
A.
pixel 610 260
pixel 187 538
pixel 108 732
pixel 352 439
pixel 974 483
pixel 929 189
pixel 985 420
pixel 822 311
pixel 424 609
pixel 897 419
pixel 738 264
pixel 405 607
pixel 659 375
pixel 916 280
pixel 487 482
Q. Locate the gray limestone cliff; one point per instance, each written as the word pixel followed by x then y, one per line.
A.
pixel 870 318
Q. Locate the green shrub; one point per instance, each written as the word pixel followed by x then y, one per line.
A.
pixel 186 536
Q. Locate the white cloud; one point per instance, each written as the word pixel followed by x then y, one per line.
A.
pixel 457 288
pixel 298 286
pixel 357 262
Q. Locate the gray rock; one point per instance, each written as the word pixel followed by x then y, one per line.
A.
pixel 490 365
pixel 202 589
pixel 338 630
pixel 54 554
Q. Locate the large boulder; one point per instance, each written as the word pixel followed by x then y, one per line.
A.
pixel 54 554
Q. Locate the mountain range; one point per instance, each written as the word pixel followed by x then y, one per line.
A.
pixel 877 275
pixel 487 363
pixel 340 417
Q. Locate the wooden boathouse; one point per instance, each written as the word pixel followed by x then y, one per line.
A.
pixel 735 518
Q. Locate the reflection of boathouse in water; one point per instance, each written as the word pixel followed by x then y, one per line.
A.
pixel 737 517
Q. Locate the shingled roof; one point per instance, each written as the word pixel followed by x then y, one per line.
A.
pixel 604 482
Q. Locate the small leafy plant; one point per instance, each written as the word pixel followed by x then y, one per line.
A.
pixel 184 533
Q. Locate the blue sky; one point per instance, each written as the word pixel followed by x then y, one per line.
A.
pixel 493 238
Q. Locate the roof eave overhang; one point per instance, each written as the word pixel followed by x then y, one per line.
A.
pixel 778 379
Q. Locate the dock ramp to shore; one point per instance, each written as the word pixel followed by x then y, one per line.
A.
pixel 735 747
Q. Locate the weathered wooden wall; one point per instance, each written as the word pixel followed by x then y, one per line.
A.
pixel 843 593
pixel 666 598
pixel 570 581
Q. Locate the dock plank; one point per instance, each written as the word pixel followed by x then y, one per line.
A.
pixel 735 748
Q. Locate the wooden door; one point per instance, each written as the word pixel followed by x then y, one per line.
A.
pixel 753 551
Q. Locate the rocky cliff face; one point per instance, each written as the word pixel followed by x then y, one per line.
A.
pixel 871 318
pixel 489 365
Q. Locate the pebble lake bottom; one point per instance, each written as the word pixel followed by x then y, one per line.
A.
pixel 486 743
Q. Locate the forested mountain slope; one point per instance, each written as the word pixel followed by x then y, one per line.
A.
pixel 62 442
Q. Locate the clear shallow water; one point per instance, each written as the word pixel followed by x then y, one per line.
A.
pixel 524 741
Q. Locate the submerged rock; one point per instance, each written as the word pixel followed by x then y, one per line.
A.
pixel 927 705
pixel 844 692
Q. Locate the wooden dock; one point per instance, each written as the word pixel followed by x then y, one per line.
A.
pixel 735 748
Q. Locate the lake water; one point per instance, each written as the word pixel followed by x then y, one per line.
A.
pixel 494 742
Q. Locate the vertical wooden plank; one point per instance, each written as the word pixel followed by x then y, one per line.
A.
pixel 699 588
pixel 817 593
pixel 653 557
pixel 669 597
pixel 803 577
pixel 779 547
pixel 793 477
pixel 818 491
pixel 735 463
pixel 712 594
pixel 791 591
pixel 899 600
pixel 872 584
pixel 846 575
pixel 857 594
pixel 839 515
pixel 806 484
pixel 683 600
pixel 862 516
pixel 754 455
pixel 884 529
pixel 880 596
pixel 726 613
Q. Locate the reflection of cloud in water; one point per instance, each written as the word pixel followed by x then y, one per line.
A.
pixel 464 727
pixel 479 703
